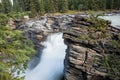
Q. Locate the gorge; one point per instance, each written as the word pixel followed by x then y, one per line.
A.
pixel 50 62
pixel 59 39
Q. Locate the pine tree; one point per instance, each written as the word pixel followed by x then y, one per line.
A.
pixel 15 50
pixel 55 2
pixel 112 4
pixel 32 8
pixel 71 4
pixel 20 3
pixel 49 6
pixel 37 7
pixel 41 6
pixel 116 4
pixel 25 5
pixel 7 6
pixel 17 6
pixel 102 4
pixel 63 5
pixel 86 4
pixel 76 4
pixel 94 4
pixel 41 9
pixel 0 7
pixel 80 5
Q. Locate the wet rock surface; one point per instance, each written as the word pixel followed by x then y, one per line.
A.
pixel 38 29
pixel 86 49
pixel 81 62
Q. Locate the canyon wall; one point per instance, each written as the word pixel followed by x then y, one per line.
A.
pixel 87 49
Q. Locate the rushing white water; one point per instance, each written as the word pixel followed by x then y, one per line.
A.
pixel 115 19
pixel 51 64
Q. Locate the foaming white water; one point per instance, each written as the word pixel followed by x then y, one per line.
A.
pixel 51 64
pixel 115 19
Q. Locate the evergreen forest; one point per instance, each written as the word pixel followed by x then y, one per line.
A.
pixel 16 49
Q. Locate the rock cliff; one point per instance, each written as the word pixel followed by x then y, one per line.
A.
pixel 90 42
pixel 38 29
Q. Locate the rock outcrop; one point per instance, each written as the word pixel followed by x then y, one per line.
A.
pixel 38 29
pixel 87 48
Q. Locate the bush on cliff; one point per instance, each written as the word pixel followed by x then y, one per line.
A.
pixel 98 23
pixel 98 32
pixel 111 61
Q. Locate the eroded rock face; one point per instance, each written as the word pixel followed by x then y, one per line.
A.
pixel 86 50
pixel 38 29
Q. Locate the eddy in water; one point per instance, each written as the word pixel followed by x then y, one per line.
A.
pixel 51 64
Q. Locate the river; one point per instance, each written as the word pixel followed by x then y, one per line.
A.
pixel 115 19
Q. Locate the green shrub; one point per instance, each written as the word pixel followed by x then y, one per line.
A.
pixel 98 23
pixel 112 64
pixel 15 50
pixel 3 19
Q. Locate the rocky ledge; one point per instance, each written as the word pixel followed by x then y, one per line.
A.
pixel 37 29
pixel 90 42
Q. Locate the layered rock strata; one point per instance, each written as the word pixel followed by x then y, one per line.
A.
pixel 87 48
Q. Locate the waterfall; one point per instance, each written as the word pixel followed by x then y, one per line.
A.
pixel 51 64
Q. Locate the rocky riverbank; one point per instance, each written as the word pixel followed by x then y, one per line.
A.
pixel 88 47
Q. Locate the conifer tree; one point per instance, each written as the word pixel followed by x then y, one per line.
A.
pixel 17 6
pixel 112 4
pixel 46 5
pixel 20 3
pixel 15 50
pixel 32 8
pixel 86 4
pixel 7 6
pixel 64 5
pixel 49 6
pixel 0 7
pixel 94 4
pixel 102 4
pixel 71 4
pixel 55 2
pixel 76 2
pixel 25 5
pixel 80 5
pixel 41 7
pixel 116 4
pixel 36 7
